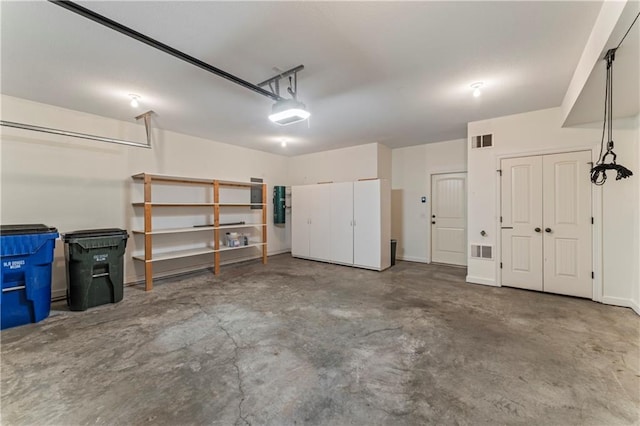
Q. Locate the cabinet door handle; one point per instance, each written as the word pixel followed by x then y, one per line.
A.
pixel 433 222
pixel 537 229
pixel 547 230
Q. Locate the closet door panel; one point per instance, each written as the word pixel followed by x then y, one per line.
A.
pixel 342 223
pixel 522 233
pixel 300 211
pixel 367 224
pixel 320 223
pixel 567 222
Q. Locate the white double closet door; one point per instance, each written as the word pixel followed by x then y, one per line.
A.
pixel 546 223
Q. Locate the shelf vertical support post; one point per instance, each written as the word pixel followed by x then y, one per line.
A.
pixel 264 223
pixel 148 265
pixel 216 224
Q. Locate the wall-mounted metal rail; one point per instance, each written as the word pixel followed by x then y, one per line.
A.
pixel 33 128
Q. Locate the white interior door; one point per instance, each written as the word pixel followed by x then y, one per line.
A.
pixel 521 211
pixel 320 222
pixel 546 223
pixel 567 223
pixel 342 222
pixel 367 220
pixel 449 218
pixel 300 216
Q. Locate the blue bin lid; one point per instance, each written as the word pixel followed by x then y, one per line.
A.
pixel 94 233
pixel 26 229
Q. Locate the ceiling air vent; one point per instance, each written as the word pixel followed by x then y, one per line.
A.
pixel 482 141
pixel 481 252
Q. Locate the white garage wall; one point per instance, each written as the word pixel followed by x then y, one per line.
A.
pixel 79 184
pixel 411 179
pixel 540 131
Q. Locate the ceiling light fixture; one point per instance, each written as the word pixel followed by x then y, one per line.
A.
pixel 287 111
pixel 134 100
pixel 283 143
pixel 476 88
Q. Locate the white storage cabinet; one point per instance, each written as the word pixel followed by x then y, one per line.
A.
pixel 347 223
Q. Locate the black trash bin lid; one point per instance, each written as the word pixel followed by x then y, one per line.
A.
pixel 93 233
pixel 26 229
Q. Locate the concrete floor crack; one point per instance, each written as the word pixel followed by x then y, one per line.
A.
pixel 381 330
pixel 236 349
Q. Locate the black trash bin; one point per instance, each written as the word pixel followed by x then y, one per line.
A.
pixel 95 267
pixel 394 244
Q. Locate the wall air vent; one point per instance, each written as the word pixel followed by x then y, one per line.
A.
pixel 481 252
pixel 482 141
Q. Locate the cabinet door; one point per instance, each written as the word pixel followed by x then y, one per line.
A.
pixel 300 209
pixel 567 224
pixel 320 223
pixel 367 224
pixel 522 227
pixel 342 223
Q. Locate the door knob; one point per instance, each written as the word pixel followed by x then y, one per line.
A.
pixel 537 229
pixel 547 229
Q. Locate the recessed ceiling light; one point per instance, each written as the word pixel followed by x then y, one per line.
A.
pixel 476 88
pixel 134 100
pixel 283 143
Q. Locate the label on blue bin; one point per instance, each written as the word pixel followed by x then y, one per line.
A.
pixel 101 257
pixel 13 264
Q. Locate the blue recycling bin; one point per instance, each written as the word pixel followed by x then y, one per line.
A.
pixel 25 278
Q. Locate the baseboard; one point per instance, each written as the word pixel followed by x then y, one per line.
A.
pixel 620 301
pixel 412 259
pixel 483 281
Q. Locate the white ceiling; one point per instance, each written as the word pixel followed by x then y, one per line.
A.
pixel 397 73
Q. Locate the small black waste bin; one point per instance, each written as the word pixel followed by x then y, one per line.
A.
pixel 394 244
pixel 95 267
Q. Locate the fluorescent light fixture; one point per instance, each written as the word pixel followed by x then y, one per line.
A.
pixel 288 111
pixel 134 100
pixel 476 88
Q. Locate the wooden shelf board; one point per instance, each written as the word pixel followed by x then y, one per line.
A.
pixel 239 184
pixel 240 204
pixel 175 204
pixel 247 225
pixel 205 181
pixel 241 247
pixel 174 179
pixel 177 254
pixel 176 230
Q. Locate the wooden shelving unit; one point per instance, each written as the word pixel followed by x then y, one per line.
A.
pixel 217 205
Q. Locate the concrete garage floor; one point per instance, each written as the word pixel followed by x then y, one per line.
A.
pixel 299 342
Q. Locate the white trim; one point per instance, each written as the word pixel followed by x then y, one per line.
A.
pixel 412 259
pixel 596 211
pixel 483 281
pixel 621 301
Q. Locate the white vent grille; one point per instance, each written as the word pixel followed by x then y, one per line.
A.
pixel 481 252
pixel 482 141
